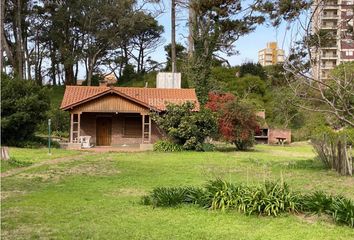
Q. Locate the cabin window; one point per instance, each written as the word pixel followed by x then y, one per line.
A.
pixel 132 127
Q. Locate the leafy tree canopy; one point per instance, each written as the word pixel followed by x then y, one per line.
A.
pixel 23 106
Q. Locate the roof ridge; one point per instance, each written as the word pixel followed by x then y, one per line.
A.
pixel 149 97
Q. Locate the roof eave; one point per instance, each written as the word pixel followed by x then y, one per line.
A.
pixel 110 90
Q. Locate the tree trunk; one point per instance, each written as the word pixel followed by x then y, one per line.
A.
pixel 90 66
pixel 18 68
pixel 52 64
pixel 190 35
pixel 5 153
pixel 69 74
pixel 89 72
pixel 173 36
pixel 76 72
pixel 60 74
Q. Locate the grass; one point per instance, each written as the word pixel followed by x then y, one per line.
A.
pixel 27 156
pixel 97 196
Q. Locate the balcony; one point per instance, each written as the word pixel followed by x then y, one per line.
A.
pixel 326 25
pixel 330 5
pixel 330 17
pixel 329 56
pixel 328 66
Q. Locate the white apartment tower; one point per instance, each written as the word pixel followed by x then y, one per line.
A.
pixel 332 18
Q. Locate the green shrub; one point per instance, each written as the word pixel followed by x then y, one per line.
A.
pixel 317 202
pixel 23 107
pixel 37 142
pixel 208 147
pixel 342 210
pixel 187 127
pixel 146 200
pixel 223 195
pixel 16 163
pixel 167 146
pixel 172 196
pixel 270 199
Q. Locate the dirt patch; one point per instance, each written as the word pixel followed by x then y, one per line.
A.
pixel 7 194
pixel 26 232
pixel 48 162
pixel 103 167
pixel 313 218
pixel 55 173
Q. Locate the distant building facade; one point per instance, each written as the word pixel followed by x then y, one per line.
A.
pixel 334 20
pixel 271 55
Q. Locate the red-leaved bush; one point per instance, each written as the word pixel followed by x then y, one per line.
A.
pixel 237 121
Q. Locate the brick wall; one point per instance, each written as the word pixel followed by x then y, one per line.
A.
pixel 88 128
pixel 276 132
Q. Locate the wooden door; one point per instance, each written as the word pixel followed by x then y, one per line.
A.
pixel 103 131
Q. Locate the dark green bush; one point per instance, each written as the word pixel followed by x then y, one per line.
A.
pixel 317 202
pixel 339 207
pixel 187 127
pixel 172 196
pixel 23 107
pixel 342 210
pixel 37 142
pixel 208 147
pixel 167 146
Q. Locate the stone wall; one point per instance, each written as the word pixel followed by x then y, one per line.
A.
pixel 276 132
pixel 88 128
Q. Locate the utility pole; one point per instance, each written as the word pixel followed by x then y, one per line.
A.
pixel 173 36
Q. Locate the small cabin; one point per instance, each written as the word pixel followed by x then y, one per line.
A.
pixel 116 116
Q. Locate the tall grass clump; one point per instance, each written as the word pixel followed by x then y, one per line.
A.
pixel 167 146
pixel 173 196
pixel 267 199
pixel 340 208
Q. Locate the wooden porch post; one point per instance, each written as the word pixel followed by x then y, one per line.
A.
pixel 149 129
pixel 143 128
pixel 78 126
pixel 146 129
pixel 71 127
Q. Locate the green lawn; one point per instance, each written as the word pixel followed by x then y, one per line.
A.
pixel 96 196
pixel 26 156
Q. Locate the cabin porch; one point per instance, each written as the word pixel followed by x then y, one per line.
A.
pixel 118 129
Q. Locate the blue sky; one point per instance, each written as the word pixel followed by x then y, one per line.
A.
pixel 248 46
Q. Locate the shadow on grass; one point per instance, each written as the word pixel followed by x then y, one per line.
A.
pixel 304 164
pixel 233 149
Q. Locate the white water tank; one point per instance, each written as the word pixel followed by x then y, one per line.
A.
pixel 168 80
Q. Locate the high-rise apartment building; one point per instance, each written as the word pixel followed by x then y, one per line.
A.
pixel 332 26
pixel 271 55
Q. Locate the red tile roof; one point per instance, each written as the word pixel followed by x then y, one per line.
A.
pixel 155 98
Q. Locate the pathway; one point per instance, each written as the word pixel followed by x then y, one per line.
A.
pixel 15 171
